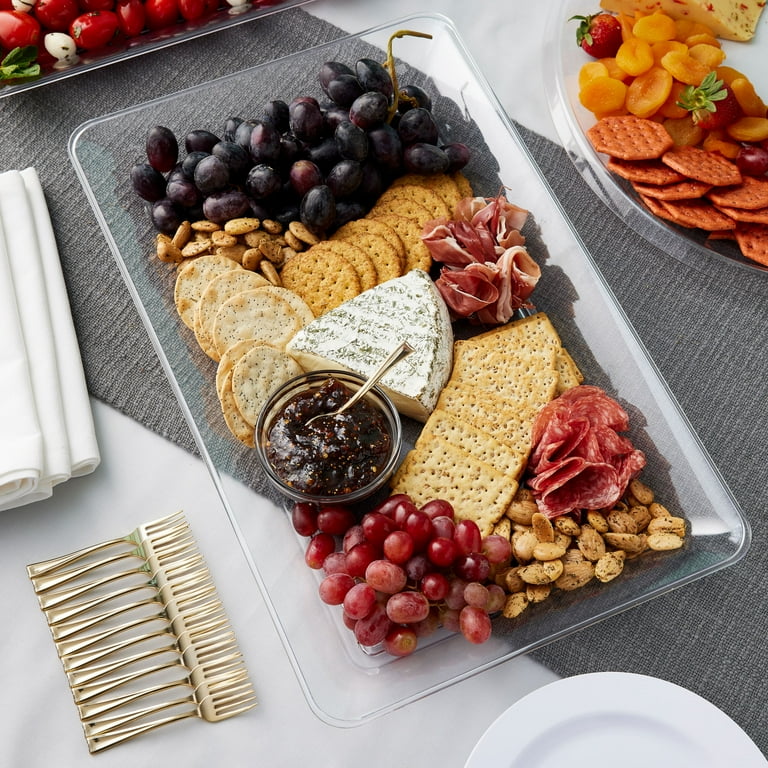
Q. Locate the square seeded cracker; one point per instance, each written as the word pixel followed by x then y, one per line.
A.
pixel 440 470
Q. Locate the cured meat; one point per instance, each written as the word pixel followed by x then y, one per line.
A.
pixel 578 458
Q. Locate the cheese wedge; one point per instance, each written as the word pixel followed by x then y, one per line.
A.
pixel 361 332
pixel 729 19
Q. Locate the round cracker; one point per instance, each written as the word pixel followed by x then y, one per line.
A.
pixel 323 279
pixel 254 314
pixel 402 206
pixel 256 375
pixel 228 360
pixel 417 255
pixel 234 420
pixel 218 290
pixel 298 305
pixel 353 229
pixel 193 278
pixel 383 255
pixel 357 257
pixel 422 195
pixel 442 183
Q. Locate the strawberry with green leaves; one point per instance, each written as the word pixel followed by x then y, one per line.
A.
pixel 598 35
pixel 711 105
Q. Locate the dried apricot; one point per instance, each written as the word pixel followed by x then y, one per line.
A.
pixel 655 28
pixel 718 141
pixel 665 46
pixel 648 92
pixel 684 131
pixel 603 95
pixel 749 129
pixel 684 67
pixel 635 57
pixel 747 97
pixel 671 108
pixel 728 74
pixel 702 38
pixel 590 71
pixel 709 55
pixel 614 70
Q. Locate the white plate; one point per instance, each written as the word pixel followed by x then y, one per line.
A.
pixel 563 60
pixel 630 720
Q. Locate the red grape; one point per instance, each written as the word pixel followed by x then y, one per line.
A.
pixel 360 557
pixel 438 508
pixel 336 562
pixel 407 607
pixel 419 526
pixel 398 547
pixel 304 518
pixel 335 519
pixel 467 537
pixel 401 512
pixel 359 600
pixel 377 527
pixel 497 549
pixel 441 551
pixel 496 598
pixel 435 586
pixel 473 567
pixel 400 641
pixel 372 629
pixel 428 626
pixel 477 594
pixel 353 536
pixel 455 597
pixel 333 589
pixel 752 160
pixel 387 507
pixel 417 566
pixel 443 526
pixel 385 577
pixel 320 546
pixel 475 624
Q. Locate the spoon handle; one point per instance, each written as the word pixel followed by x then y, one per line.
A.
pixel 396 356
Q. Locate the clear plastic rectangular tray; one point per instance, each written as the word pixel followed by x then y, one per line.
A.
pixel 344 685
pixel 152 40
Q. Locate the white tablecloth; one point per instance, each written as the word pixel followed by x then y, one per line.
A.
pixel 143 477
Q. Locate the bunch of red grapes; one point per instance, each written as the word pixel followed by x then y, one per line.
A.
pixel 400 572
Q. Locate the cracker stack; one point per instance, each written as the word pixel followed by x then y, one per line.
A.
pixel 475 445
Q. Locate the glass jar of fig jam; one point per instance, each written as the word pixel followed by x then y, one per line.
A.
pixel 345 456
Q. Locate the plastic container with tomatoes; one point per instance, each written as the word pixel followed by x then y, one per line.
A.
pixel 94 29
pixel 18 30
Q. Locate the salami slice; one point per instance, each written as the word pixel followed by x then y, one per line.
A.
pixel 578 458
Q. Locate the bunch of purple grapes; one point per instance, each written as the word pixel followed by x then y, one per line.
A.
pixel 401 572
pixel 319 161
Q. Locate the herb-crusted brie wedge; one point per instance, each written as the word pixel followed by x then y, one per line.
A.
pixel 360 333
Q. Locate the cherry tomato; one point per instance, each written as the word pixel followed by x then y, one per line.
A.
pixel 191 9
pixel 57 15
pixel 131 17
pixel 94 29
pixel 18 29
pixel 161 13
pixel 97 5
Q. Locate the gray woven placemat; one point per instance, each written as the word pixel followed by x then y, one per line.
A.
pixel 705 329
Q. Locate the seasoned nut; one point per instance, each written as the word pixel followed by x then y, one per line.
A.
pixel 272 226
pixel 574 555
pixel 205 226
pixel 242 225
pixel 575 575
pixel 597 520
pixel 567 525
pixel 220 237
pixel 196 248
pixel 591 543
pixel 542 527
pixel 658 510
pixel 253 239
pixel 667 524
pixel 548 550
pixel 182 235
pixel 641 492
pixel 522 508
pixel 631 543
pixel 563 540
pixel 252 258
pixel 641 516
pixel 292 241
pixel 234 252
pixel 298 230
pixel 271 250
pixel 267 269
pixel 621 521
pixel 166 250
pixel 288 253
pixel 503 528
pixel 609 566
pixel 512 580
pixel 515 605
pixel 523 544
pixel 664 541
pixel 541 573
pixel 537 593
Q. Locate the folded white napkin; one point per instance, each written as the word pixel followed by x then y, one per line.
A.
pixel 46 425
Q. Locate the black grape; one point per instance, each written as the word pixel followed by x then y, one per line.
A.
pixel 331 69
pixel 276 112
pixel 236 158
pixel 369 110
pixel 265 143
pixel 325 154
pixel 417 125
pixel 243 133
pixel 189 163
pixel 374 77
pixel 200 140
pixel 351 141
pixel 458 155
pixel 348 210
pixel 425 159
pixel 225 204
pixel 372 183
pixel 318 209
pixel 166 216
pixel 303 175
pixel 211 174
pixel 413 96
pixel 306 121
pixel 385 147
pixel 344 178
pixel 148 183
pixel 344 89
pixel 291 150
pixel 262 182
pixel 183 192
pixel 162 148
pixel 230 127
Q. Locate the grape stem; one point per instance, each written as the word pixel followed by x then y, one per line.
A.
pixel 390 65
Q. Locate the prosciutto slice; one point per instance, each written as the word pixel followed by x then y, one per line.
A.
pixel 578 459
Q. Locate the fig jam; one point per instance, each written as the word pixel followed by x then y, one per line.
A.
pixel 334 455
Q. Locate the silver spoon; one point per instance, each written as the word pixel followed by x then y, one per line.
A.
pixel 395 357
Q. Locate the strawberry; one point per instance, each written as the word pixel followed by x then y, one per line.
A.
pixel 711 105
pixel 598 35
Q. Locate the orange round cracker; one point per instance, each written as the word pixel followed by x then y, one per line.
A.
pixel 709 167
pixel 629 137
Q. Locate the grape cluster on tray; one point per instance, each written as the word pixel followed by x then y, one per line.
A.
pixel 320 161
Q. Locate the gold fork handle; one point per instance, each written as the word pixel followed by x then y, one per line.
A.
pixel 96 743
